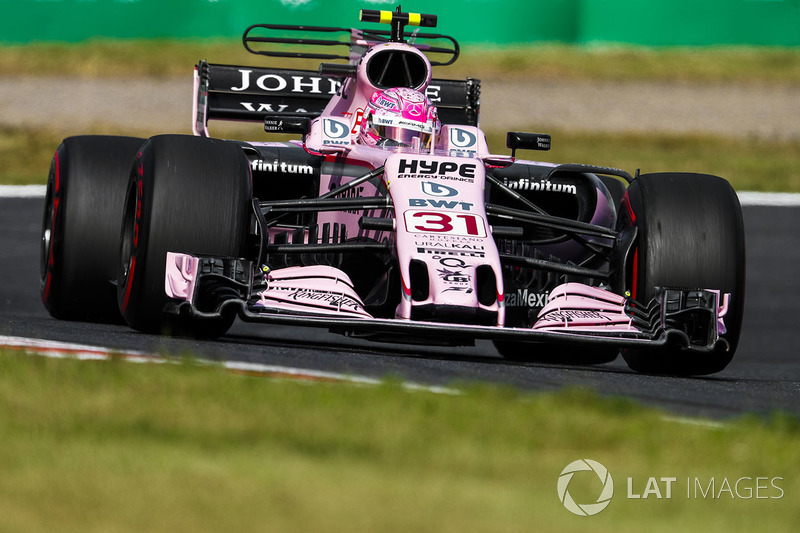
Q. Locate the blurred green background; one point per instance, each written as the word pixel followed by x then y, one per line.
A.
pixel 646 22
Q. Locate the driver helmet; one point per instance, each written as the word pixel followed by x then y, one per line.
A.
pixel 399 117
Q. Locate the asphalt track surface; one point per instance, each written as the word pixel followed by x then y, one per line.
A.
pixel 763 377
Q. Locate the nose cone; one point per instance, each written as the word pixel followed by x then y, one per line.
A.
pixel 453 285
pixel 452 289
pixel 448 258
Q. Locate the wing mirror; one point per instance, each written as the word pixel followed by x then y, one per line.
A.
pixel 280 123
pixel 527 141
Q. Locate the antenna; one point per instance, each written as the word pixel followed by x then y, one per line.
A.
pixel 398 21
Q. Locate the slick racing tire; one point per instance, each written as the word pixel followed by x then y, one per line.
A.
pixel 691 235
pixel 186 194
pixel 539 352
pixel 80 227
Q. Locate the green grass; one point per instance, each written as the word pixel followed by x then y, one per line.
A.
pixel 133 58
pixel 758 165
pixel 113 446
pixel 26 155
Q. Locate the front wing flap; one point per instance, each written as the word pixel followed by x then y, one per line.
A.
pixel 322 296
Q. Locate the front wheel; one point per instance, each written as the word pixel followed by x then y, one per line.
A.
pixel 690 235
pixel 80 226
pixel 186 194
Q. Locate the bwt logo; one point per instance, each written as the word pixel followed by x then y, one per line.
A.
pixel 335 129
pixel 439 204
pixel 585 509
pixel 423 166
pixel 462 138
pixel 431 188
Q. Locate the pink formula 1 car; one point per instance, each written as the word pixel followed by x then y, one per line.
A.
pixel 389 219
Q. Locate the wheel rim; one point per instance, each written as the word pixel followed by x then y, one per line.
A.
pixel 128 243
pixel 45 250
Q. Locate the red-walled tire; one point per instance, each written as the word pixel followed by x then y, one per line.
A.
pixel 690 234
pixel 80 227
pixel 186 194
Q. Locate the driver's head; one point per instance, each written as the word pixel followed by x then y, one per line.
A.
pixel 399 117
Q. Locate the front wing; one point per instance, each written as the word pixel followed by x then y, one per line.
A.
pixel 322 296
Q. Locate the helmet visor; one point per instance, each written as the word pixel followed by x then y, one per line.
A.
pixel 400 136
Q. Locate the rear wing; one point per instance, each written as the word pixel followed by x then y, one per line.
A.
pixel 229 92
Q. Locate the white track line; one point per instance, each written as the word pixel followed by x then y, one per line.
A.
pixel 22 191
pixel 82 352
pixel 64 350
pixel 747 198
pixel 700 422
pixel 769 199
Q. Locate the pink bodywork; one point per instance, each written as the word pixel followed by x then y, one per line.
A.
pixel 440 220
pixel 181 276
pixel 578 306
pixel 318 289
pixel 321 290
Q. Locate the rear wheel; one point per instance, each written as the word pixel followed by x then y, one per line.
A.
pixel 80 227
pixel 690 234
pixel 186 194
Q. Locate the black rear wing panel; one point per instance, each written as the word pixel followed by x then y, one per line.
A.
pixel 229 92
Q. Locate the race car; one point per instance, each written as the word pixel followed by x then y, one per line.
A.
pixel 388 218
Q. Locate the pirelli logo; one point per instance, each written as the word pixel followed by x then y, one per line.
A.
pixel 450 252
